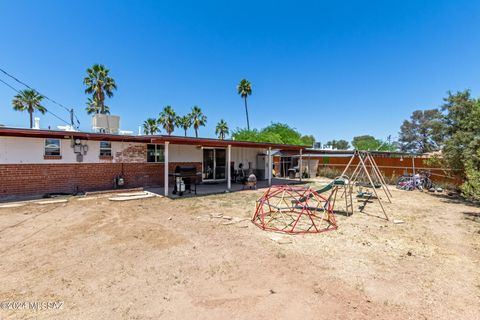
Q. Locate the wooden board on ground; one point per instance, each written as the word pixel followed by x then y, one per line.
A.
pixel 136 196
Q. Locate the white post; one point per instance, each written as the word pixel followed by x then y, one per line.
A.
pixel 166 168
pixel 300 165
pixel 269 167
pixel 229 171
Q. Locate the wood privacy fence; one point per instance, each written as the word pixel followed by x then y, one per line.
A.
pixel 391 167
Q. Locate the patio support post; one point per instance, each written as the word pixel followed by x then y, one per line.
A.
pixel 269 172
pixel 229 171
pixel 165 164
pixel 300 165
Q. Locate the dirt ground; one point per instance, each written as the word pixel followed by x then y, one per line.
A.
pixel 200 258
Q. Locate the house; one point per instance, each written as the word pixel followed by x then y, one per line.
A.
pixel 35 162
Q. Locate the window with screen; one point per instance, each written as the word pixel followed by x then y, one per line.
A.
pixel 105 148
pixel 52 147
pixel 155 153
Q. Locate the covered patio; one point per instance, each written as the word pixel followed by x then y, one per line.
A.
pixel 206 189
pixel 217 163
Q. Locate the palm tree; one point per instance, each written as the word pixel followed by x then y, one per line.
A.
pixel 93 106
pixel 168 119
pixel 99 84
pixel 29 100
pixel 244 90
pixel 150 126
pixel 198 119
pixel 222 129
pixel 185 122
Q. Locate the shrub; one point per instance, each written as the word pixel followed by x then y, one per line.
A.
pixel 328 172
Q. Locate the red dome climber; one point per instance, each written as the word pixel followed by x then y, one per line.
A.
pixel 294 209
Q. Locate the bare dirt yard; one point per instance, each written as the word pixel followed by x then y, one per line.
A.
pixel 200 258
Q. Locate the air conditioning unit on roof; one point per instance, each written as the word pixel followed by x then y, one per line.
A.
pixel 105 123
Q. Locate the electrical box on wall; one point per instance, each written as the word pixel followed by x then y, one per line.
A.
pixel 79 149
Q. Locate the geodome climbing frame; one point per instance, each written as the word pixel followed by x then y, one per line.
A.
pixel 294 209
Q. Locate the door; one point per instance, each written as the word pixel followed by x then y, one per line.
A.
pixel 220 164
pixel 214 164
pixel 208 164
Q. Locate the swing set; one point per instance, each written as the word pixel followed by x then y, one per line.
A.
pixel 300 209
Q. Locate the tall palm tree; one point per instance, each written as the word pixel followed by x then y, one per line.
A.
pixel 29 100
pixel 244 90
pixel 185 122
pixel 198 119
pixel 222 129
pixel 150 126
pixel 99 84
pixel 93 106
pixel 168 119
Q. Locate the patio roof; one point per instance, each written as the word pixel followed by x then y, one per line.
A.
pixel 207 142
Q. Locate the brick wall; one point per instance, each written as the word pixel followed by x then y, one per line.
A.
pixel 37 179
pixel 132 153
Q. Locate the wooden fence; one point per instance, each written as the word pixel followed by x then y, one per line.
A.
pixel 391 167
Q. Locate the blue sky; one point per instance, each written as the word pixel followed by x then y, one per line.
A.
pixel 334 69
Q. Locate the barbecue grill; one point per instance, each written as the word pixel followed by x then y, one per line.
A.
pixel 184 178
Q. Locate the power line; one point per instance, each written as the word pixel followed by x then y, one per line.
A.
pixel 9 86
pixel 26 85
pixel 18 91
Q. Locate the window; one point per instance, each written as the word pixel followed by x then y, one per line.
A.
pixel 155 153
pixel 105 148
pixel 52 147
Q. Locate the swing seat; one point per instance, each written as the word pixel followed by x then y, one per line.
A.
pixel 365 195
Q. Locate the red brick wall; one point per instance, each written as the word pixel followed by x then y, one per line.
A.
pixel 33 179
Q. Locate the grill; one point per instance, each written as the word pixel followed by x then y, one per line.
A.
pixel 185 177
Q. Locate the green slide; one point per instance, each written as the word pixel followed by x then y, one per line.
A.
pixel 339 181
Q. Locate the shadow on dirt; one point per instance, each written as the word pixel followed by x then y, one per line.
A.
pixel 456 199
pixel 472 216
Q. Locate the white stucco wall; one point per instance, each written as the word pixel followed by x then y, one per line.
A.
pixel 246 155
pixel 185 153
pixel 18 150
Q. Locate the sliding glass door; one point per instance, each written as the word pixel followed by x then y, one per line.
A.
pixel 214 164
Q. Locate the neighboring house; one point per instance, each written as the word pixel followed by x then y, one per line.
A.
pixel 36 161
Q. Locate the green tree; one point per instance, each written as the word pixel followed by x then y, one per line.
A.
pixel 198 119
pixel 242 134
pixel 222 129
pixel 287 134
pixel 274 133
pixel 308 140
pixel 185 122
pixel 423 132
pixel 93 106
pixel 168 119
pixel 150 126
pixel 342 144
pixel 461 151
pixel 370 143
pixel 366 142
pixel 30 101
pixel 338 144
pixel 244 89
pixel 99 84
